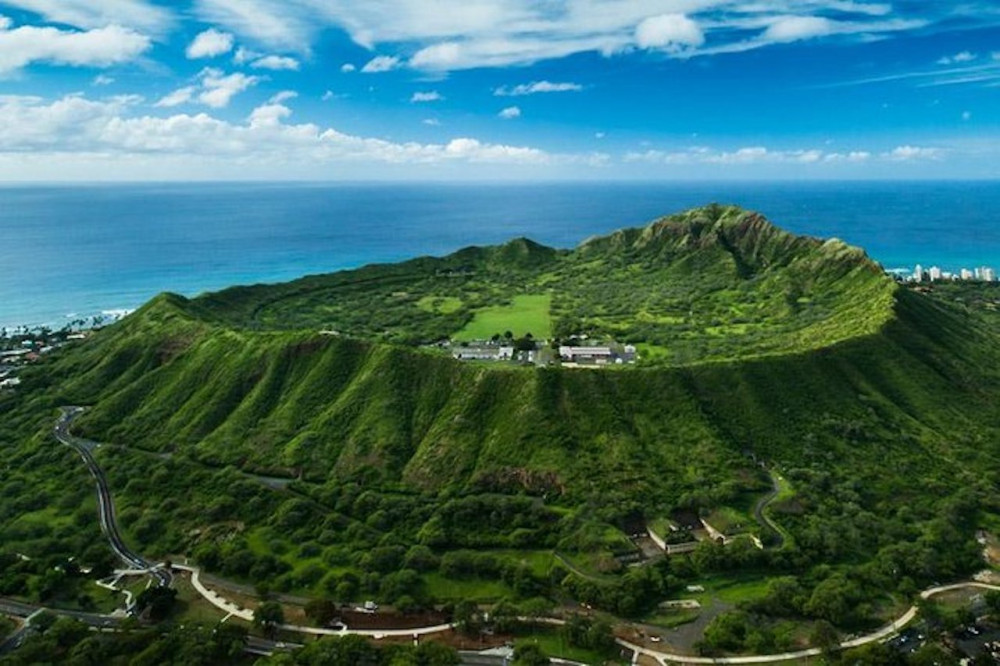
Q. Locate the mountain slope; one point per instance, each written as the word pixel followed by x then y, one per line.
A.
pixel 903 373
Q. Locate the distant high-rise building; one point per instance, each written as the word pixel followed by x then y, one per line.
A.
pixel 967 274
pixel 934 273
pixel 918 273
pixel 989 275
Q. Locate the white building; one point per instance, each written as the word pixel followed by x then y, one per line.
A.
pixel 967 274
pixel 989 275
pixel 918 273
pixel 599 355
pixel 934 273
pixel 481 353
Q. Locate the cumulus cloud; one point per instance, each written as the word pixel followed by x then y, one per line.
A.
pixel 536 87
pixel 103 80
pixel 749 155
pixel 380 64
pixel 209 44
pixel 510 113
pixel 429 96
pixel 459 34
pixel 795 28
pixel 958 58
pixel 276 63
pixel 216 89
pixel 139 15
pixel 78 125
pixel 347 68
pixel 100 47
pixel 669 32
pixel 177 97
pixel 910 153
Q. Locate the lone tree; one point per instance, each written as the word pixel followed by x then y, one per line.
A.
pixel 159 600
pixel 530 654
pixel 269 616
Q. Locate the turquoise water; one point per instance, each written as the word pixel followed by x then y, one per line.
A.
pixel 78 251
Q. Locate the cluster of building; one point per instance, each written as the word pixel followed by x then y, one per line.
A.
pixel 566 355
pixel 16 353
pixel 935 274
pixel 492 351
pixel 604 355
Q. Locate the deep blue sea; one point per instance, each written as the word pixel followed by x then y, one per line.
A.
pixel 69 251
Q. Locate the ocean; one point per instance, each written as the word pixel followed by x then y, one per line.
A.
pixel 75 251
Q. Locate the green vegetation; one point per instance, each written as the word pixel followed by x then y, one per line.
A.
pixel 526 314
pixel 359 466
pixel 66 641
pixel 714 283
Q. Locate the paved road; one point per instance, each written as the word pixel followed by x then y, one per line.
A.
pixel 758 512
pixel 885 632
pixel 106 507
pixel 27 611
pixel 110 527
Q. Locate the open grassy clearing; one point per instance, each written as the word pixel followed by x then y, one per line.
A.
pixel 527 313
pixel 555 645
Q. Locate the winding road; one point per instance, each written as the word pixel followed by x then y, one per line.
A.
pixel 106 508
pixel 135 561
pixel 764 520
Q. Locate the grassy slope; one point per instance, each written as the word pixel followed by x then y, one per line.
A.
pixel 907 378
pixel 885 407
pixel 291 402
pixel 715 283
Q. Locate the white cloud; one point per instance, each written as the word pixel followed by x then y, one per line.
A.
pixel 209 44
pixel 536 87
pixel 328 95
pixel 958 58
pixel 77 125
pixel 380 64
pixel 855 156
pixel 510 113
pixel 178 97
pixel 276 63
pixel 103 80
pixel 278 24
pixel 136 14
pixel 100 47
pixel 747 156
pixel 347 68
pixel 244 55
pixel 795 28
pixel 459 34
pixel 430 96
pixel 669 32
pixel 218 88
pixel 5 22
pixel 433 122
pixel 910 153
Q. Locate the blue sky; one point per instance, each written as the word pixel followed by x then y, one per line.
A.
pixel 491 89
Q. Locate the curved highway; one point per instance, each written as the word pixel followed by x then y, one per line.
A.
pixel 885 632
pixel 132 559
pixel 106 507
pixel 763 519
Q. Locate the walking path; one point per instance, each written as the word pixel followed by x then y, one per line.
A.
pixel 110 527
pixel 885 632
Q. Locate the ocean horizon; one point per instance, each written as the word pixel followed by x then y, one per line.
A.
pixel 72 251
